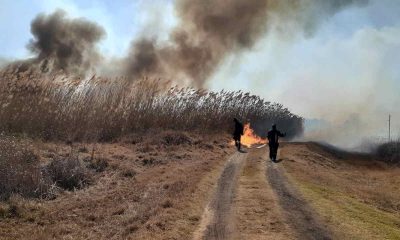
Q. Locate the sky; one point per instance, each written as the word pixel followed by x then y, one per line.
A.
pixel 346 74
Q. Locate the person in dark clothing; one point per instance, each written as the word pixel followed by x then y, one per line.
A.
pixel 237 133
pixel 273 142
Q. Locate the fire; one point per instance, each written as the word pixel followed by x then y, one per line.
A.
pixel 249 138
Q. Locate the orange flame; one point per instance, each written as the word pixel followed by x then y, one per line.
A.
pixel 249 138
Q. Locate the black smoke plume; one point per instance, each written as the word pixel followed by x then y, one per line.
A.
pixel 210 30
pixel 64 44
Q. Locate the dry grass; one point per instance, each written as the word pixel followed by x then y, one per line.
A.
pixel 357 195
pixel 68 172
pixel 57 107
pixel 127 200
pixel 20 170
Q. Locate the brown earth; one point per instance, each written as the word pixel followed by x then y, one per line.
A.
pixel 194 188
pixel 258 213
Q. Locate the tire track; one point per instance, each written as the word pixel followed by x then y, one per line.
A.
pixel 300 216
pixel 217 221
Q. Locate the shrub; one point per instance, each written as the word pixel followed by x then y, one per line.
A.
pixel 175 138
pixel 98 164
pixel 389 152
pixel 68 173
pixel 20 171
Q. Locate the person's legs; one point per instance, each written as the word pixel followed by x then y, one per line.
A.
pixel 237 142
pixel 271 152
pixel 276 150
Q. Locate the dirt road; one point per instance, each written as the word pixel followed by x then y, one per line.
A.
pixel 217 221
pixel 253 199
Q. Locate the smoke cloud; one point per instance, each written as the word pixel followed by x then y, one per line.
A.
pixel 207 32
pixel 211 30
pixel 63 44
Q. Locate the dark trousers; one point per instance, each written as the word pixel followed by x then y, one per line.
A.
pixel 273 150
pixel 237 141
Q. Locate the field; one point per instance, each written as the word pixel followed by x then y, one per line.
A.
pixel 114 159
pixel 155 189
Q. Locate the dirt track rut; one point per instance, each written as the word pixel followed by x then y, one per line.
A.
pixel 299 215
pixel 217 221
pixel 285 216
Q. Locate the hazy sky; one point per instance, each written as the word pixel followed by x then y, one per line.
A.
pixel 346 73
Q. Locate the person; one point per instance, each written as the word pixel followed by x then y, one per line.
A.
pixel 237 133
pixel 273 142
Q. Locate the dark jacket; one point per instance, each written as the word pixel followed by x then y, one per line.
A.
pixel 273 136
pixel 238 129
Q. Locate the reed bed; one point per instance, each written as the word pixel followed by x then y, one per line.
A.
pixel 58 107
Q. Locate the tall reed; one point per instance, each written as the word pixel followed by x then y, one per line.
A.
pixel 58 107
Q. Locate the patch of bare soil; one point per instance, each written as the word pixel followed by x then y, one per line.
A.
pixel 258 213
pixel 218 221
pixel 142 189
pixel 299 215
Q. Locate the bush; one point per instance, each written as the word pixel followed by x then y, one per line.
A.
pixel 175 138
pixel 98 164
pixel 68 173
pixel 20 171
pixel 389 152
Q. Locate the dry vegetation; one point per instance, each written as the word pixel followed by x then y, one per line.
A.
pixel 389 152
pixel 143 187
pixel 356 194
pixel 111 158
pixel 55 107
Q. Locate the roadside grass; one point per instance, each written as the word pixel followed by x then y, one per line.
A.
pixel 355 194
pixel 351 216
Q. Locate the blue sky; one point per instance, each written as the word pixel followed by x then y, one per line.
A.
pixel 348 69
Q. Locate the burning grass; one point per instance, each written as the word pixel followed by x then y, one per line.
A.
pixel 249 138
pixel 56 107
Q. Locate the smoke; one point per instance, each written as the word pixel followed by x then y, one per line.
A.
pixel 339 85
pixel 64 44
pixel 344 75
pixel 207 32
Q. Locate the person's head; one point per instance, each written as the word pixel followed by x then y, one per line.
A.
pixel 235 120
pixel 274 126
